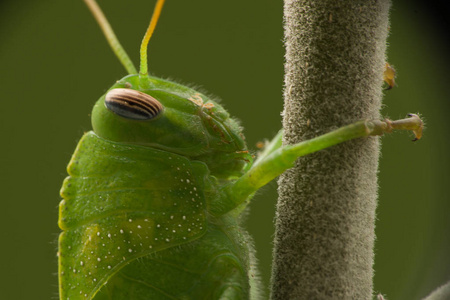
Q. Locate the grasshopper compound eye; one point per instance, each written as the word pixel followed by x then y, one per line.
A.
pixel 132 104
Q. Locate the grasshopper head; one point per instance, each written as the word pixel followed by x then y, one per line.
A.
pixel 173 118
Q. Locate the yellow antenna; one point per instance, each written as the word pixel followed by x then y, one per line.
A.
pixel 143 72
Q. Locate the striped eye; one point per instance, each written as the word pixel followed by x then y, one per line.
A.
pixel 132 104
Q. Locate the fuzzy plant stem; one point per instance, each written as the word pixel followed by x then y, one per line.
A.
pixel 325 220
pixel 441 293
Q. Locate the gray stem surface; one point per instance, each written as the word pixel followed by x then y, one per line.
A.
pixel 441 293
pixel 325 221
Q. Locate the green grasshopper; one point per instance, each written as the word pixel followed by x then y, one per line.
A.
pixel 151 208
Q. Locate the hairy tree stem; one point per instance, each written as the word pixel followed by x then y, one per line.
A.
pixel 441 293
pixel 335 55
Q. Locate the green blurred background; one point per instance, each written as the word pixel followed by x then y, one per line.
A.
pixel 55 63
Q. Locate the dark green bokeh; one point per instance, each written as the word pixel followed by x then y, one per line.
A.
pixel 55 64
